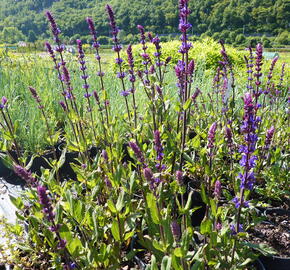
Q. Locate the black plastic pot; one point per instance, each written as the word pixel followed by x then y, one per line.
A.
pixel 65 172
pixel 196 201
pixel 275 263
pixel 259 265
pixel 135 245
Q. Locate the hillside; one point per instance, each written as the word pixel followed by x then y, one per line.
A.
pixel 24 19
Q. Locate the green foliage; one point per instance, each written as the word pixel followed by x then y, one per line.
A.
pixel 11 35
pixel 283 38
pixel 205 52
pixel 158 16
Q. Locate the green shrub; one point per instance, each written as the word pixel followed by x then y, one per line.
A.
pixel 283 38
pixel 205 52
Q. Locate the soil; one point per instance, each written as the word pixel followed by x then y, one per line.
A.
pixel 145 257
pixel 275 232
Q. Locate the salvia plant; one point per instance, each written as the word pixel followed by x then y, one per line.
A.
pixel 137 175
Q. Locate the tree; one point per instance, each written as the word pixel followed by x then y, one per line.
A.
pixel 31 36
pixel 12 35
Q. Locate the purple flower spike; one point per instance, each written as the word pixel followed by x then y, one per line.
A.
pixel 105 155
pixel 175 229
pixel 66 76
pixel 217 189
pixel 54 28
pixel 153 182
pixel 179 177
pixel 3 102
pixel 96 96
pixel 142 34
pixel 111 17
pixel 92 28
pixel 148 174
pixel 211 135
pixel 195 95
pixel 258 74
pixel 229 135
pixel 108 183
pixel 25 175
pixel 45 202
pixel 158 145
pixel 168 59
pixel 138 153
pixel 270 74
pixel 269 136
pixel 62 104
pixel 36 97
pixel 236 201
pixel 54 228
pixel 130 57
pixel 191 66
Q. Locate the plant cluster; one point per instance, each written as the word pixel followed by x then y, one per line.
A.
pixel 172 182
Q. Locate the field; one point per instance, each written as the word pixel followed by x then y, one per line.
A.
pixel 176 157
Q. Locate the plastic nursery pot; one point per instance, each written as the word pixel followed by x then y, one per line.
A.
pixel 275 263
pixel 259 265
pixel 196 201
pixel 137 258
pixel 9 176
pixel 4 171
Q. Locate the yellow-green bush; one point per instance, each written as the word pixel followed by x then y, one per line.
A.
pixel 205 52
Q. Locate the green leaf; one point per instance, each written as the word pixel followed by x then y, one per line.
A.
pixel 61 160
pixel 205 226
pixel 151 200
pixel 247 261
pixel 188 203
pixel 129 235
pixel 213 207
pixel 115 230
pixel 17 202
pixel 59 211
pixel 263 248
pixel 75 246
pixel 158 245
pixel 196 142
pixel 204 195
pixel 120 201
pixel 166 263
pixel 95 223
pixel 111 206
pixel 187 104
pixel 153 263
pixel 132 181
pixel 178 252
pixel 65 233
pixel 196 265
pixel 79 211
pixel 176 263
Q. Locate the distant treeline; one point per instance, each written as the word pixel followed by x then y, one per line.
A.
pixel 231 20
